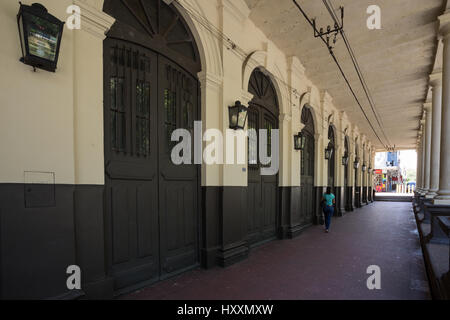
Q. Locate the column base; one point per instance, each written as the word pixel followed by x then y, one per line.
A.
pixel 441 202
pixel 431 195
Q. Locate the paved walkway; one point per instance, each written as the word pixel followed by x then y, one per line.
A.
pixel 317 265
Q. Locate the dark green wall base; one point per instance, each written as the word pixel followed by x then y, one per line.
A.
pixel 39 239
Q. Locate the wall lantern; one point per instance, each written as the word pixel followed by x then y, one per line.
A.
pixel 356 163
pixel 328 153
pixel 238 116
pixel 364 168
pixel 299 141
pixel 40 37
pixel 345 160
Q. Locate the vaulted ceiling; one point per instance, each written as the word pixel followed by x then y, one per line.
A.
pixel 395 61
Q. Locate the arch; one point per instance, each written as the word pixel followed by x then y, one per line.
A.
pixel 256 59
pixel 347 145
pixel 313 114
pixel 332 135
pixel 207 45
pixel 307 119
pixel 261 86
pixel 307 167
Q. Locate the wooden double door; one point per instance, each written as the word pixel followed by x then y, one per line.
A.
pixel 151 218
pixel 262 201
pixel 263 194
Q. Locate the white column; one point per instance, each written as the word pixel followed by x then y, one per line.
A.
pixel 427 147
pixel 436 85
pixel 443 197
pixel 422 150
pixel 419 163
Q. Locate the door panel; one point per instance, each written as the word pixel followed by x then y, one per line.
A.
pixel 307 180
pixel 131 163
pixel 177 184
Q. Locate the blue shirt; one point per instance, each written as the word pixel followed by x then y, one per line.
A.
pixel 329 198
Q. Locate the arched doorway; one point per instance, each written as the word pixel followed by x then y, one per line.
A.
pixel 150 66
pixel 347 192
pixel 357 183
pixel 331 160
pixel 262 203
pixel 307 168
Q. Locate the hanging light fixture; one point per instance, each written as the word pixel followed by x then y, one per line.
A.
pixel 356 163
pixel 328 153
pixel 299 141
pixel 364 167
pixel 345 160
pixel 40 36
pixel 238 116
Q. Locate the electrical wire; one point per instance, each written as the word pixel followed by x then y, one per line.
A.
pixel 241 53
pixel 330 49
pixel 329 5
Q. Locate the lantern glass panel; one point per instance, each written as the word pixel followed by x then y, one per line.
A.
pixel 242 118
pixel 297 142
pixel 233 117
pixel 303 141
pixel 42 37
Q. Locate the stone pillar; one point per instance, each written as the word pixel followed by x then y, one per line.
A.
pixel 443 197
pixel 436 85
pixel 427 148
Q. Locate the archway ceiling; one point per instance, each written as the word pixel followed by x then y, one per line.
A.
pixel 396 61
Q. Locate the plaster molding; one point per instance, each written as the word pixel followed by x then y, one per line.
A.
pixel 444 24
pixel 428 106
pixel 306 97
pixel 436 79
pixel 93 20
pixel 295 66
pixel 326 98
pixel 254 60
pixel 238 9
pixel 246 97
pixel 210 81
pixel 301 126
pixel 285 117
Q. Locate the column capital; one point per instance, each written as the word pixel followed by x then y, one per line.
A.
pixel 436 79
pixel 94 21
pixel 246 97
pixel 444 24
pixel 428 106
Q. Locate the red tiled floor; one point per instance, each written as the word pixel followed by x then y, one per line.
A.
pixel 317 265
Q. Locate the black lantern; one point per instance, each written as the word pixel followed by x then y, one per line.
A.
pixel 40 36
pixel 328 153
pixel 345 160
pixel 238 116
pixel 356 163
pixel 364 168
pixel 299 141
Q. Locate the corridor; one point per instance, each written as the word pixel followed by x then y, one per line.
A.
pixel 317 265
